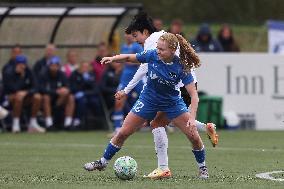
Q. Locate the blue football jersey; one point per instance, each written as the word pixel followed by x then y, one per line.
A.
pixel 161 88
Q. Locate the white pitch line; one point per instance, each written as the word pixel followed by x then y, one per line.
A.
pixel 72 145
pixel 268 176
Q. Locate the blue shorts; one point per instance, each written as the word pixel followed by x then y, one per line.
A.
pixel 148 111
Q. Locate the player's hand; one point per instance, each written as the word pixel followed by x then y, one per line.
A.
pixel 107 60
pixel 191 122
pixel 119 94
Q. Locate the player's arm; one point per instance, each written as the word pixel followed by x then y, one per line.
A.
pixel 191 89
pixel 120 58
pixel 140 73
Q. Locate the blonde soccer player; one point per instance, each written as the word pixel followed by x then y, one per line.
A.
pixel 144 32
pixel 165 71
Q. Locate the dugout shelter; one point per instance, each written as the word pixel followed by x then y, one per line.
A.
pixel 69 26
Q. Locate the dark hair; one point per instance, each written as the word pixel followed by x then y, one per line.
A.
pixel 140 22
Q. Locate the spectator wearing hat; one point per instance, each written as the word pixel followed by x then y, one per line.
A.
pixel 204 41
pixel 21 88
pixel 41 64
pixel 54 87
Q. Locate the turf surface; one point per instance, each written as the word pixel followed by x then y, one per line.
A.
pixel 55 160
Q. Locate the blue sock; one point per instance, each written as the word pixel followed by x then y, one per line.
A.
pixel 200 157
pixel 110 151
pixel 117 118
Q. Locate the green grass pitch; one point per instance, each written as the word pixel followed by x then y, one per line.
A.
pixel 55 160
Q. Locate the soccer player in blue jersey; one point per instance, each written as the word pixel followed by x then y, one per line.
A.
pixel 129 47
pixel 165 70
pixel 142 28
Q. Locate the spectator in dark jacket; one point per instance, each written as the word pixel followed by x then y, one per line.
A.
pixel 110 82
pixel 85 90
pixel 22 89
pixel 15 51
pixel 41 64
pixel 204 41
pixel 54 87
pixel 227 40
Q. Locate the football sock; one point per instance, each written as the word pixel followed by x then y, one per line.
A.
pixel 200 157
pixel 200 126
pixel 110 151
pixel 161 147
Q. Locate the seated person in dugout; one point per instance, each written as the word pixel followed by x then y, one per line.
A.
pixel 85 90
pixel 21 88
pixel 55 90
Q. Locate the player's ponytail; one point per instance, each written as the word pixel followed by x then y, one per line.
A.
pixel 187 55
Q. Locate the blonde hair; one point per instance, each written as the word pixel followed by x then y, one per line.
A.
pixel 188 58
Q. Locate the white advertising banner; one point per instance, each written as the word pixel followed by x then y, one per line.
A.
pixel 251 84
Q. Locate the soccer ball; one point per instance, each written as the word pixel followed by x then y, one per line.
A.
pixel 125 167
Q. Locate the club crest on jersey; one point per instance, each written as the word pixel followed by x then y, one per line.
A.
pixel 173 75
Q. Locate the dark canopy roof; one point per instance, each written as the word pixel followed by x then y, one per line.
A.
pixel 34 25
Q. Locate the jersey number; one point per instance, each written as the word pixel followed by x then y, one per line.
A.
pixel 138 106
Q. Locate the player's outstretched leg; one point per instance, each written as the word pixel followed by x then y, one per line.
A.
pixel 130 125
pixel 101 164
pixel 95 165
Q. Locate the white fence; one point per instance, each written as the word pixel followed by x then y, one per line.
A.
pixel 250 84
